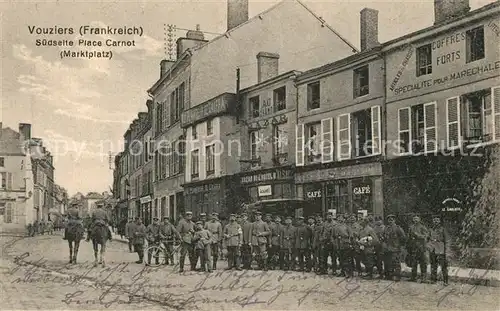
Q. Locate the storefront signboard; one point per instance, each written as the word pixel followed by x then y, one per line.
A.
pixel 202 188
pixel 364 189
pixel 213 107
pixel 313 194
pixel 145 199
pixel 276 174
pixel 347 172
pixel 265 190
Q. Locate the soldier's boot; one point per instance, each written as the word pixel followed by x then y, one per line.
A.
pixel 214 265
pixel 157 260
pixel 65 237
pixel 70 256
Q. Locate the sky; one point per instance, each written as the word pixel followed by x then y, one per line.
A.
pixel 82 107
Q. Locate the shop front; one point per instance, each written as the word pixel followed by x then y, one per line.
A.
pixel 146 209
pixel 350 189
pixel 274 183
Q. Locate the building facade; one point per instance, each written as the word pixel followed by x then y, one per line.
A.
pixel 443 110
pixel 43 172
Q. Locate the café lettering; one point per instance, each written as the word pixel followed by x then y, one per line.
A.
pixel 362 190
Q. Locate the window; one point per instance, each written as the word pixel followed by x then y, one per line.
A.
pixel 195 164
pixel 181 97
pixel 194 132
pixel 210 128
pixel 163 207
pixel 210 159
pixel 313 95
pixel 313 136
pixel 159 117
pixel 280 140
pixel 475 44
pixel 182 153
pixel 361 81
pixel 279 99
pixel 9 213
pixel 478 119
pixel 418 128
pixel 363 129
pixel 404 119
pixel 3 180
pixel 254 106
pixel 2 162
pixel 337 197
pixel 254 144
pixel 424 60
pixel 174 158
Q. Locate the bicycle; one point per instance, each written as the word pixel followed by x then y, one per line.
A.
pixel 161 252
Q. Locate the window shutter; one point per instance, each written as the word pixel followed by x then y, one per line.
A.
pixel 404 126
pixel 9 181
pixel 166 112
pixel 453 137
pixel 495 103
pixel 344 136
pixel 326 140
pixel 430 124
pixel 376 131
pixel 299 145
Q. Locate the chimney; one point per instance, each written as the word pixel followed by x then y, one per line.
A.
pixel 449 9
pixel 165 65
pixel 24 131
pixel 369 29
pixel 193 39
pixel 267 66
pixel 237 13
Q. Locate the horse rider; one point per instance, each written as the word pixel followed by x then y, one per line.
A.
pixel 99 218
pixel 73 219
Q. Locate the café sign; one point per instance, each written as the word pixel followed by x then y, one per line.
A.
pixel 366 189
pixel 277 174
pixel 314 194
pixel 214 107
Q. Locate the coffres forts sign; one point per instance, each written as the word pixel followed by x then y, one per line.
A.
pixel 460 56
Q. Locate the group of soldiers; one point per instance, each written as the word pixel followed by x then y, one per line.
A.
pixel 341 244
pixel 40 227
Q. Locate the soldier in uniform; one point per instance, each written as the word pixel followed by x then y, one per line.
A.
pixel 438 243
pixel 169 233
pixel 343 236
pixel 129 233
pixel 274 253
pixel 303 238
pixel 368 239
pixel 154 237
pixel 327 244
pixel 287 245
pixel 215 228
pixel 355 228
pixel 73 219
pixel 233 235
pixel 246 247
pixel 393 239
pixel 316 244
pixel 186 231
pixel 202 240
pixel 379 228
pixel 139 233
pixel 260 234
pixel 418 235
pixel 99 218
pixel 203 219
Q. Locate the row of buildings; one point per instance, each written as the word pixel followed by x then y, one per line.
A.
pixel 27 189
pixel 282 106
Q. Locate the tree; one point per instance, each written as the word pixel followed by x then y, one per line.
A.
pixel 481 227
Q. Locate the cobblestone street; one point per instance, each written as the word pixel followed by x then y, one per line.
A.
pixel 44 280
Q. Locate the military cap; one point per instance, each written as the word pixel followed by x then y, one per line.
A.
pixel 289 217
pixel 258 213
pixel 277 217
pixel 300 217
pixel 203 214
pixel 311 217
pixel 436 216
pixel 215 214
pixel 199 222
pixel 189 213
pixel 269 215
pixel 391 216
pixel 243 214
pixel 155 218
pixel 165 217
pixel 232 215
pixel 137 217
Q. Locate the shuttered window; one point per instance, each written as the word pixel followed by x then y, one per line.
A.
pixel 9 181
pixel 453 136
pixel 344 136
pixel 495 103
pixel 376 131
pixel 430 131
pixel 9 213
pixel 404 130
pixel 299 145
pixel 326 142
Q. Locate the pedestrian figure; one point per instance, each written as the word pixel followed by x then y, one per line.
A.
pixel 367 242
pixel 287 245
pixel 326 244
pixel 260 233
pixel 246 247
pixel 139 234
pixel 393 239
pixel 344 237
pixel 154 238
pixel 186 230
pixel 438 242
pixel 355 229
pixel 418 235
pixel 202 240
pixel 169 234
pixel 129 233
pixel 379 228
pixel 303 236
pixel 233 235
pixel 74 232
pixel 215 228
pixel 274 250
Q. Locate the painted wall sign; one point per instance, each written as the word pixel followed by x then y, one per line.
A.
pixel 265 190
pixel 145 199
pixel 277 174
pixel 366 189
pixel 314 194
pixel 209 108
pixel 369 169
pixel 402 68
pixel 202 188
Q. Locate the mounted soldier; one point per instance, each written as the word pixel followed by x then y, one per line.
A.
pixel 99 218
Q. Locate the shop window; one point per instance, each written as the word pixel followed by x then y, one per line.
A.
pixel 362 196
pixel 195 164
pixel 313 96
pixel 210 127
pixel 337 197
pixel 279 99
pixel 313 132
pixel 475 44
pixel 424 60
pixel 418 128
pixel 478 117
pixel 210 159
pixel 361 81
pixel 363 129
pixel 254 106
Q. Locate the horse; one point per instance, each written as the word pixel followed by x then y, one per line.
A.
pixel 74 235
pixel 99 234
